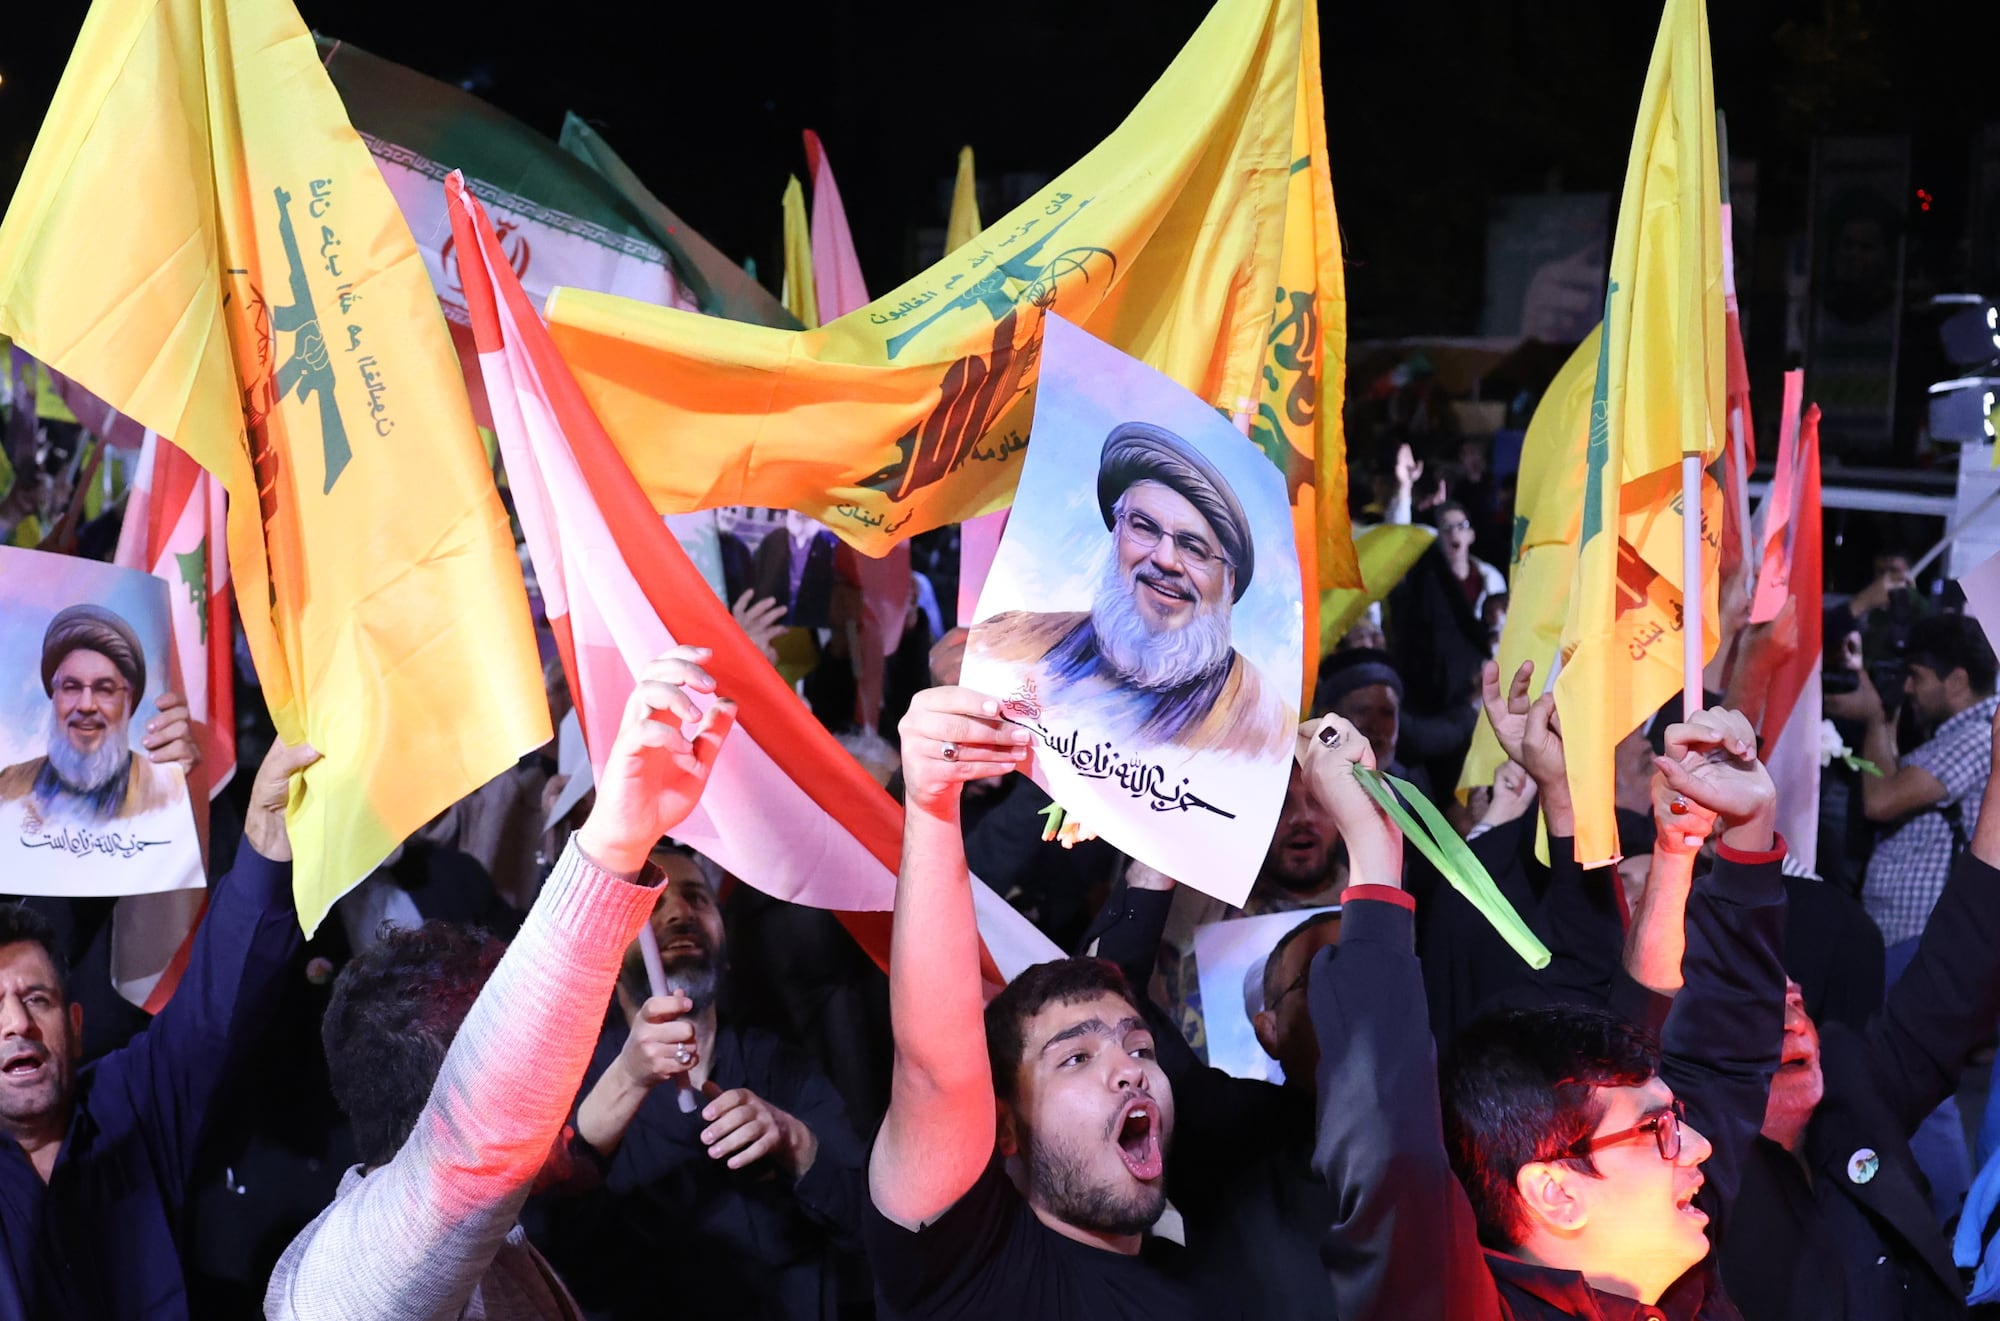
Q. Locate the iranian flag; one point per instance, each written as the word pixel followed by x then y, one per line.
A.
pixel 561 216
pixel 786 808
pixel 174 529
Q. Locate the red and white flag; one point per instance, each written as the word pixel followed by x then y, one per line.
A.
pixel 1792 715
pixel 786 808
pixel 174 528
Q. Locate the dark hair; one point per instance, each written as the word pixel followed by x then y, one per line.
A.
pixel 1277 954
pixel 1438 510
pixel 395 1009
pixel 1337 677
pixel 1943 643
pixel 1519 1087
pixel 1060 981
pixel 20 924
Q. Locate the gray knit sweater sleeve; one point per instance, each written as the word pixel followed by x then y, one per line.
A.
pixel 411 1241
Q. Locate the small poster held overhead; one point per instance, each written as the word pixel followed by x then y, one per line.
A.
pixel 83 660
pixel 1143 617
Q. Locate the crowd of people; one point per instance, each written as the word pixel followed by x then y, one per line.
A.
pixel 1736 1090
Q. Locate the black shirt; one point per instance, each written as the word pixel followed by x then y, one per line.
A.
pixel 672 1232
pixel 988 1256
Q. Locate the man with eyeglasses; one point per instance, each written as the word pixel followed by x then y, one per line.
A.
pixel 1567 1163
pixel 1152 660
pixel 94 672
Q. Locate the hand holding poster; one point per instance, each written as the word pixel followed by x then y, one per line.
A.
pixel 83 660
pixel 1143 617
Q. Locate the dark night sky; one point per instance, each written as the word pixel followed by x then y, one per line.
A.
pixel 1430 107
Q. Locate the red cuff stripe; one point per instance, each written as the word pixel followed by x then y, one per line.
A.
pixel 1388 894
pixel 1776 853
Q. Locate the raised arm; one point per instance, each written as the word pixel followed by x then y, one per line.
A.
pixel 414 1239
pixel 1402 1242
pixel 1947 1000
pixel 1721 1039
pixel 937 1137
pixel 172 1070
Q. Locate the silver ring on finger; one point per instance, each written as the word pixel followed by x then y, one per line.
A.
pixel 1330 736
pixel 682 1055
pixel 949 752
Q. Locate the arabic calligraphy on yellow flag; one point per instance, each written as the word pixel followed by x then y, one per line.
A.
pixel 1658 395
pixel 1165 241
pixel 201 239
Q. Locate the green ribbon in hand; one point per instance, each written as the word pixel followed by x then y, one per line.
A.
pixel 1438 842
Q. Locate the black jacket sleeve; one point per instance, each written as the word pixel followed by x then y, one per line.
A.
pixel 1947 1000
pixel 1721 1040
pixel 1403 1241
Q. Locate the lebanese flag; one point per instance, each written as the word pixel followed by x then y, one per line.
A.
pixel 885 582
pixel 174 528
pixel 1793 556
pixel 1779 526
pixel 786 808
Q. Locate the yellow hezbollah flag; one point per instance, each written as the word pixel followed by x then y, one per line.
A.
pixel 201 240
pixel 1298 410
pixel 800 295
pixel 1386 553
pixel 1659 395
pixel 963 226
pixel 1548 511
pixel 908 413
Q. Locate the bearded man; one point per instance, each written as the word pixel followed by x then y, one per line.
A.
pixel 1152 659
pixel 94 672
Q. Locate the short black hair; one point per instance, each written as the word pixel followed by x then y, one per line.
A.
pixel 395 1009
pixel 1277 954
pixel 1947 642
pixel 20 924
pixel 1060 981
pixel 1519 1087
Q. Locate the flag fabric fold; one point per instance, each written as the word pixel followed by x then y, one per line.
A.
pixel 1659 395
pixel 786 809
pixel 267 308
pixel 1790 731
pixel 908 413
pixel 801 291
pixel 176 528
pixel 1548 510
pixel 962 225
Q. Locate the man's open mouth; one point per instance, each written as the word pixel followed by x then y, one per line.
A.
pixel 25 1066
pixel 1139 1141
pixel 1684 1203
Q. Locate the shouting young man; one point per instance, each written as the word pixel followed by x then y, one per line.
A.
pixel 1020 1166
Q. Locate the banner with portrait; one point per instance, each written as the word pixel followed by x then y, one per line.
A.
pixel 84 657
pixel 1143 617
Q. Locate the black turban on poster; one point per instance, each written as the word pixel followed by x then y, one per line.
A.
pixel 1142 452
pixel 93 628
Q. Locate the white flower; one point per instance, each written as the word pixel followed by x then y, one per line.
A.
pixel 1830 746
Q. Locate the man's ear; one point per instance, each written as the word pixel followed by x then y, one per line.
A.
pixel 1550 1197
pixel 75 1030
pixel 1005 1136
pixel 1265 1024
